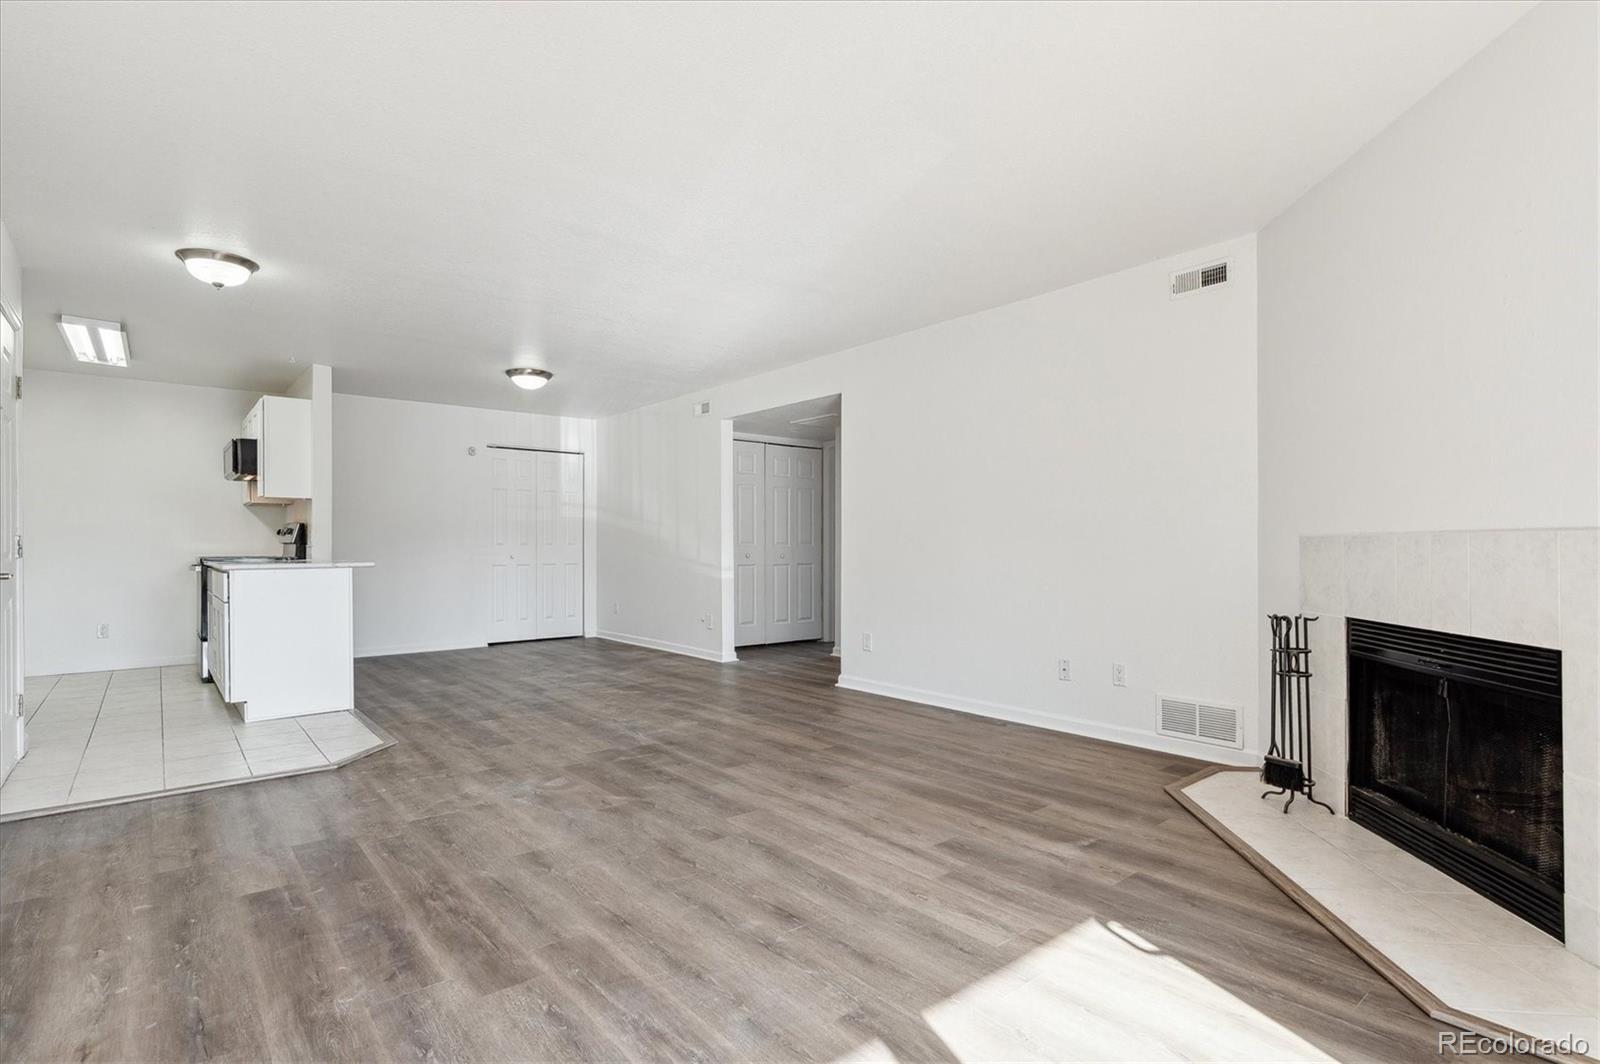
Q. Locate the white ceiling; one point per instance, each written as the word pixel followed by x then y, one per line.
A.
pixel 650 198
pixel 780 420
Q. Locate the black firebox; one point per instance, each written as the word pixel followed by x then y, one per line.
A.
pixel 1455 756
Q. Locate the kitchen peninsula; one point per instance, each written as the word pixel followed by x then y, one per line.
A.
pixel 277 634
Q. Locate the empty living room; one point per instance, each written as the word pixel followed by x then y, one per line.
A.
pixel 946 531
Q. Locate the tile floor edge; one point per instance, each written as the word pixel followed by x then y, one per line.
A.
pixel 1419 995
pixel 387 739
pixel 123 799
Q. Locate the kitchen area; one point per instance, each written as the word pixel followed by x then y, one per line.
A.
pixel 270 689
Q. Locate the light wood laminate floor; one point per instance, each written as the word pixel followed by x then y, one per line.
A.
pixel 583 850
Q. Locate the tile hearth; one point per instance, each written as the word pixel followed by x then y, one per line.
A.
pixel 1474 957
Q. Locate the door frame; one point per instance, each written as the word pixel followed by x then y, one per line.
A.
pixel 757 631
pixel 12 715
pixel 834 580
pixel 585 514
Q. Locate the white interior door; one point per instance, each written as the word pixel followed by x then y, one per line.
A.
pixel 793 543
pixel 13 743
pixel 749 543
pixel 558 552
pixel 513 615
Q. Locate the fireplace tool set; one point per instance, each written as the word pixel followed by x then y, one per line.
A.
pixel 1287 766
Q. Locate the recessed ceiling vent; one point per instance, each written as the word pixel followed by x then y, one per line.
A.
pixel 1189 282
pixel 1201 722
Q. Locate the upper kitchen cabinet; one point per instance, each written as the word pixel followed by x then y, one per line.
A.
pixel 281 428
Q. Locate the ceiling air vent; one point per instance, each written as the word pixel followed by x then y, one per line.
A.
pixel 1189 282
pixel 1201 722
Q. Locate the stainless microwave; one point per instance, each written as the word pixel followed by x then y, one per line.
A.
pixel 239 460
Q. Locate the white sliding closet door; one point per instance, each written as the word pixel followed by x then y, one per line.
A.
pixel 536 545
pixel 777 543
pixel 511 475
pixel 558 514
pixel 749 543
pixel 794 543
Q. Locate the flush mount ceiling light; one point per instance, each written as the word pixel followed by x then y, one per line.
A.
pixel 529 379
pixel 100 343
pixel 219 269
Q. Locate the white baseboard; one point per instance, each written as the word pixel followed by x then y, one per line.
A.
pixel 415 648
pixel 671 648
pixel 1092 729
pixel 137 663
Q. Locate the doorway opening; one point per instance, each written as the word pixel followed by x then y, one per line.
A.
pixel 785 524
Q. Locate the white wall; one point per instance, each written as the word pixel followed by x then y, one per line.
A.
pixel 660 529
pixel 1073 475
pixel 122 490
pixel 10 272
pixel 316 384
pixel 1428 313
pixel 411 499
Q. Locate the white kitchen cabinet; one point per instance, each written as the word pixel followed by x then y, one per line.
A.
pixel 281 428
pixel 280 638
pixel 216 588
pixel 217 648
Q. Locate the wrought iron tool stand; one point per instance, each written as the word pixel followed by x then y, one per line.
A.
pixel 1287 766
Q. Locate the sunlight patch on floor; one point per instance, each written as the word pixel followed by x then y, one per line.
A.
pixel 1102 992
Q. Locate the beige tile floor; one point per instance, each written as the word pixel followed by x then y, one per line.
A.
pixel 1472 954
pixel 102 736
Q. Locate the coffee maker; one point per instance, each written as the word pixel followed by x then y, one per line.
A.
pixel 292 538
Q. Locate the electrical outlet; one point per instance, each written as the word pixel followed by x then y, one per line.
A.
pixel 616 609
pixel 1119 674
pixel 866 642
pixel 103 632
pixel 1064 669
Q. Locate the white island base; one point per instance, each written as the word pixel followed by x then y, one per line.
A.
pixel 280 637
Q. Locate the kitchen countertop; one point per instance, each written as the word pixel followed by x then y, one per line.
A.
pixel 234 567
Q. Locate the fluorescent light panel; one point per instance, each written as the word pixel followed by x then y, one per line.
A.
pixel 78 339
pixel 114 346
pixel 102 343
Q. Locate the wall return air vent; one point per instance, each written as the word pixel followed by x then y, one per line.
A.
pixel 1201 722
pixel 1188 282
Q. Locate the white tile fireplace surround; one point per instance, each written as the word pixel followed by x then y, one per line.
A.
pixel 1539 587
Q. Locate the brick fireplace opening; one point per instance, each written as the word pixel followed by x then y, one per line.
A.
pixel 1455 755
